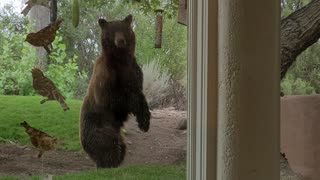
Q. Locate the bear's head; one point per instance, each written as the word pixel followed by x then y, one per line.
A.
pixel 118 35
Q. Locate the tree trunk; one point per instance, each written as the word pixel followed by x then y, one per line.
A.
pixel 41 16
pixel 299 30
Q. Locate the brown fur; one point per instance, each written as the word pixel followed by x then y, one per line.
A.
pixel 115 91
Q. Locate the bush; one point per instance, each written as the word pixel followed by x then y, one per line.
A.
pixel 303 75
pixel 172 56
pixel 291 85
pixel 16 61
pixel 155 84
pixel 64 72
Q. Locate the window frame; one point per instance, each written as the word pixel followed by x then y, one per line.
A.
pixel 202 90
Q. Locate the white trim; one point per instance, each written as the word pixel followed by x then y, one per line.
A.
pixel 191 68
pixel 202 81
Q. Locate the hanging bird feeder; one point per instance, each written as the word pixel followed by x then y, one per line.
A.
pixel 183 12
pixel 75 13
pixel 158 25
pixel 53 10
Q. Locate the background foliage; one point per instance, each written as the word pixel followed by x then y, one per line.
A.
pixel 76 49
pixel 16 56
pixel 303 76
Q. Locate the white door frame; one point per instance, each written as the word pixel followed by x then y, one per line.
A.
pixel 202 90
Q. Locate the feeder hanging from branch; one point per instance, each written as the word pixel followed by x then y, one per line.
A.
pixel 158 25
pixel 75 13
pixel 183 12
pixel 53 11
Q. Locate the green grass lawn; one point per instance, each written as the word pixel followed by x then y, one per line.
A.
pixel 150 172
pixel 48 117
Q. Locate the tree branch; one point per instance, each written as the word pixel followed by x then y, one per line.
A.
pixel 299 30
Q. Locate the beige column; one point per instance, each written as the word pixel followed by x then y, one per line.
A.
pixel 248 89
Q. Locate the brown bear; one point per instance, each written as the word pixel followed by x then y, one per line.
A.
pixel 115 91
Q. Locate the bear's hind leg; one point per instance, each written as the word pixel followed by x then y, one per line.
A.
pixel 112 162
pixel 100 140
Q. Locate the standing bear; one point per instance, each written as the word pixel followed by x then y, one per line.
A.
pixel 115 91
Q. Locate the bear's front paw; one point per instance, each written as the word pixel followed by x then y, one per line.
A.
pixel 144 121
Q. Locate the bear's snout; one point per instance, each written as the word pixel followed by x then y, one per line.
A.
pixel 120 40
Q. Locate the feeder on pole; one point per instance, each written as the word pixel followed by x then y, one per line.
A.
pixel 158 28
pixel 53 11
pixel 183 12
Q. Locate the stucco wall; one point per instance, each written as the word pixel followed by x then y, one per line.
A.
pixel 248 95
pixel 300 133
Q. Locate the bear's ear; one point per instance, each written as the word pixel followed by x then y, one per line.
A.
pixel 129 19
pixel 102 23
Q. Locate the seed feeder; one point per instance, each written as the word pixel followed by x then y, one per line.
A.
pixel 183 12
pixel 158 25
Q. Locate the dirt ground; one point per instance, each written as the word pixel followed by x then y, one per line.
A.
pixel 163 144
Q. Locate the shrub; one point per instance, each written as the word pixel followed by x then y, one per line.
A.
pixel 291 85
pixel 172 56
pixel 156 83
pixel 64 72
pixel 16 61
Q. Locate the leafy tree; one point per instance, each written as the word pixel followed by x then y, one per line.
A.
pixel 172 57
pixel 146 6
pixel 296 85
pixel 85 39
pixel 16 56
pixel 303 76
pixel 299 30
pixel 296 39
pixel 289 6
pixel 76 49
pixel 64 71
